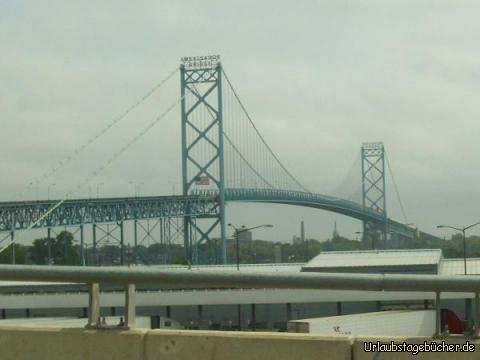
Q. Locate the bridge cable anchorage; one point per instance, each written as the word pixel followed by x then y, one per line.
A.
pixel 95 137
pixel 261 137
pixel 396 189
pixel 94 174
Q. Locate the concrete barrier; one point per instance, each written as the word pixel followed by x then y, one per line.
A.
pixel 49 343
pixel 199 345
pixel 412 344
pixel 45 343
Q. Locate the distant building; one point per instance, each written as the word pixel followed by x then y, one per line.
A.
pixel 335 234
pixel 245 236
pixel 405 261
pixel 301 239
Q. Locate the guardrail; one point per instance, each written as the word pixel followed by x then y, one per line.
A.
pixel 129 277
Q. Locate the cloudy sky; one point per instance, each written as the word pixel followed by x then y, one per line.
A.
pixel 318 78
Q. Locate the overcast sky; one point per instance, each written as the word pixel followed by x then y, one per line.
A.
pixel 318 78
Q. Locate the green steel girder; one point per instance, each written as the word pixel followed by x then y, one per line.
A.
pixel 20 215
pixel 374 191
pixel 317 201
pixel 195 132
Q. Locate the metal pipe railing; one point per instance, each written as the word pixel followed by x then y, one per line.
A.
pixel 244 279
pixel 234 279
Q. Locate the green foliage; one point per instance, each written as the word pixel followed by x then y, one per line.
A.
pixel 64 252
pixel 21 254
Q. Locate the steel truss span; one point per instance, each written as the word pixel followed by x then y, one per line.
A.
pixel 20 215
pixel 317 201
pixel 200 204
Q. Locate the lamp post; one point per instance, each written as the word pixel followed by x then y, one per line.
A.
pixel 98 188
pixel 464 240
pixel 467 301
pixel 48 190
pixel 136 187
pixel 237 233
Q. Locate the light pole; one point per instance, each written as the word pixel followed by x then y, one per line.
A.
pixel 48 191
pixel 237 233
pixel 467 301
pixel 134 184
pixel 464 240
pixel 136 187
pixel 36 188
pixel 98 188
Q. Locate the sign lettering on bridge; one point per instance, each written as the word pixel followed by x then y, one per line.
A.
pixel 195 62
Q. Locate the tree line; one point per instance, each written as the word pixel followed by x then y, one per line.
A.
pixel 64 249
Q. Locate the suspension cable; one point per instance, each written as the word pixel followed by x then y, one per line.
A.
pixel 261 137
pixel 95 173
pixel 246 162
pixel 95 137
pixel 396 189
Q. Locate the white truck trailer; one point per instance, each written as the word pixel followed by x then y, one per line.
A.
pixel 383 323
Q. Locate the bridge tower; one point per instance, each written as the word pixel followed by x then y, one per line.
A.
pixel 374 191
pixel 202 145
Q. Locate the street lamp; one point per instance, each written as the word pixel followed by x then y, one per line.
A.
pixel 237 233
pixel 98 188
pixel 48 191
pixel 136 187
pixel 467 301
pixel 464 241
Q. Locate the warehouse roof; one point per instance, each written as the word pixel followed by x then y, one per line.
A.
pixel 409 260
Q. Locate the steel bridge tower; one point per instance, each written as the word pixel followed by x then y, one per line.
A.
pixel 202 145
pixel 374 191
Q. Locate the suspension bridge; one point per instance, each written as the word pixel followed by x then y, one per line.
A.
pixel 224 159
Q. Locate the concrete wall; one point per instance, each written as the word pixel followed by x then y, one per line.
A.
pixel 45 343
pixel 199 345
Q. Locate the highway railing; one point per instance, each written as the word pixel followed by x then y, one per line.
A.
pixel 129 277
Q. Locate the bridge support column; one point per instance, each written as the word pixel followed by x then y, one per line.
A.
pixel 201 91
pixel 130 315
pixel 438 316
pixel 374 192
pixel 93 305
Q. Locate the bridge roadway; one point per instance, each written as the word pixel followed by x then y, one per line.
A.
pixel 201 204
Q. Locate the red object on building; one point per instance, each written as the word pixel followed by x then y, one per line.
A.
pixel 455 325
